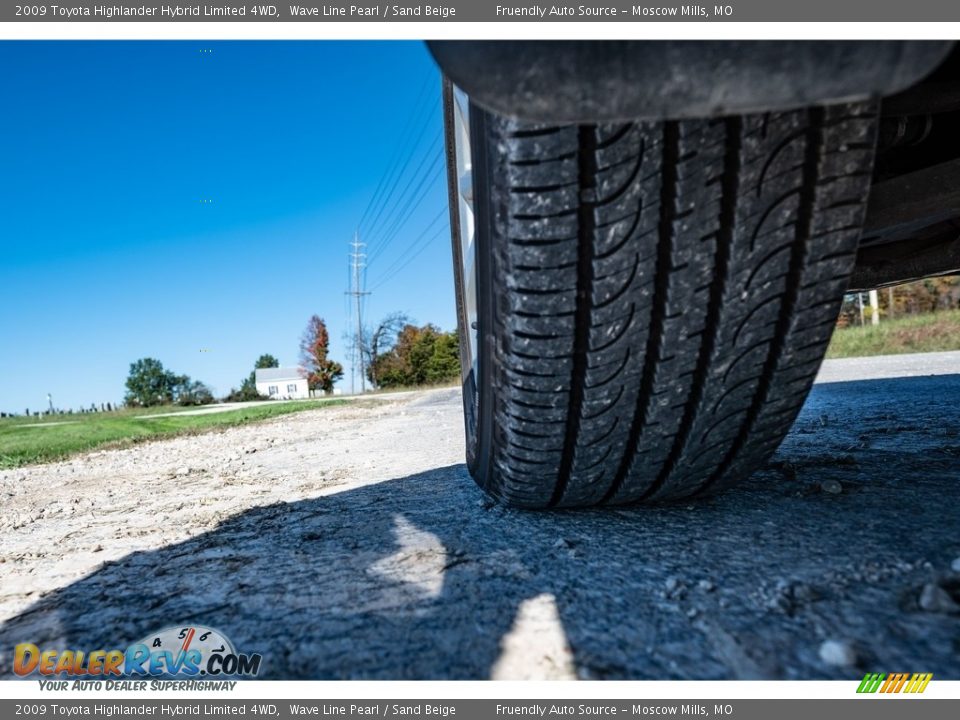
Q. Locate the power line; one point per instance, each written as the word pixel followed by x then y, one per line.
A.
pixel 412 203
pixel 441 212
pixel 419 236
pixel 397 196
pixel 409 259
pixel 400 163
pixel 396 179
pixel 391 166
pixel 423 169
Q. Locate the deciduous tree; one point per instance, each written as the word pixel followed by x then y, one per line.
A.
pixel 149 384
pixel 419 356
pixel 322 372
pixel 381 339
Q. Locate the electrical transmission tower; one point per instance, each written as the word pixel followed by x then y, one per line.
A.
pixel 357 264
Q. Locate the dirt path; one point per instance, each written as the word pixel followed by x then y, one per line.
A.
pixel 349 542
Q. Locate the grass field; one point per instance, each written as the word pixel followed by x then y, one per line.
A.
pixel 24 441
pixel 910 334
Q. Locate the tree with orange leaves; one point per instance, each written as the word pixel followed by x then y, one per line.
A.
pixel 321 371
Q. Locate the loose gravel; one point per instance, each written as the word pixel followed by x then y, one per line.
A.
pixel 349 542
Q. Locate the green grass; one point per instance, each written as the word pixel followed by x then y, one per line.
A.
pixel 23 444
pixel 931 332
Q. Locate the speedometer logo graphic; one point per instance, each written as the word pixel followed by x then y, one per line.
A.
pixel 191 651
pixel 191 637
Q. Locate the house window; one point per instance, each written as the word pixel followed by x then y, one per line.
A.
pixel 272 390
pixel 291 388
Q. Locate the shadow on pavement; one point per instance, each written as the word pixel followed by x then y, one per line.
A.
pixel 422 577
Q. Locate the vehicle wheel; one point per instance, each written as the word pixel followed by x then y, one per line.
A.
pixel 644 306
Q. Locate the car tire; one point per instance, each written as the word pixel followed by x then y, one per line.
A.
pixel 651 300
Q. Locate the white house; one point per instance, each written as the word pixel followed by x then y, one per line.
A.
pixel 282 383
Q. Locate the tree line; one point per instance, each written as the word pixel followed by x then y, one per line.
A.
pixel 915 298
pixel 397 353
pixel 400 354
pixel 149 384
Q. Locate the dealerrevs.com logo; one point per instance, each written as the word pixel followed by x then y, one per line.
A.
pixel 174 652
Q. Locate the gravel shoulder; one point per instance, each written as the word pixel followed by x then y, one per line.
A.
pixel 349 542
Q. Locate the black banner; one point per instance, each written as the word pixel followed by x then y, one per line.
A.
pixel 488 11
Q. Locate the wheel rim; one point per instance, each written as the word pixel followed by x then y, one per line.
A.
pixel 465 209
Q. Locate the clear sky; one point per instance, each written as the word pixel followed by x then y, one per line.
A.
pixel 193 202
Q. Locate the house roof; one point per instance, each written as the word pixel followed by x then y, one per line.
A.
pixel 274 374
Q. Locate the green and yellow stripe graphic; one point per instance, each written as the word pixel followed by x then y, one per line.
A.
pixel 894 682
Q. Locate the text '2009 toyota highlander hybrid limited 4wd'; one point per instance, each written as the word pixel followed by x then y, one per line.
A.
pixel 652 241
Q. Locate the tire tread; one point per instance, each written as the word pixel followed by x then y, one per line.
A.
pixel 663 295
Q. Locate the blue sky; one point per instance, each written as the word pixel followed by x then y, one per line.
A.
pixel 108 252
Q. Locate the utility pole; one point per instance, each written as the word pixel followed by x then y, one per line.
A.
pixel 357 264
pixel 874 308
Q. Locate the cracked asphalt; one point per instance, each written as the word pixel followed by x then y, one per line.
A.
pixel 349 542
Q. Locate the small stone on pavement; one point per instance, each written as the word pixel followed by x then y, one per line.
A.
pixel 831 486
pixel 934 598
pixel 838 652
